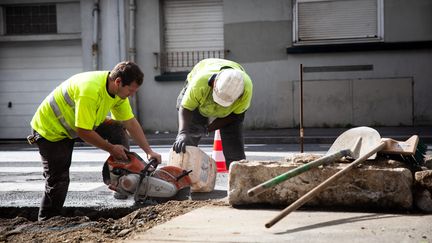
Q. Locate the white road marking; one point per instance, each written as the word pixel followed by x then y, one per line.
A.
pixel 96 156
pixel 40 169
pixel 40 186
pixel 89 160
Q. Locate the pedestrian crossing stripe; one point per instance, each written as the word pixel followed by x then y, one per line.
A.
pixel 40 186
pixel 73 187
pixel 31 169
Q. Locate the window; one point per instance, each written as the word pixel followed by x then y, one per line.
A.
pixel 193 30
pixel 30 19
pixel 337 21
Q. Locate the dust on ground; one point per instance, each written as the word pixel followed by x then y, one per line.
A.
pixel 82 229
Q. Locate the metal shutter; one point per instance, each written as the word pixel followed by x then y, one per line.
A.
pixel 337 20
pixel 193 25
pixel 29 71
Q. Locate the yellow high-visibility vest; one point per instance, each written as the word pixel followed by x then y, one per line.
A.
pixel 81 101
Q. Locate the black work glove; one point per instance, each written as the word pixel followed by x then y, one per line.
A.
pixel 180 143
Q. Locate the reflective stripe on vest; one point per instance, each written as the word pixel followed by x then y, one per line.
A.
pixel 67 98
pixel 56 109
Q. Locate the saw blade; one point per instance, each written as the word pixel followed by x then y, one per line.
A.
pixel 171 174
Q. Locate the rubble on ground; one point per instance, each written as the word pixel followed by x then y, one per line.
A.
pixel 83 229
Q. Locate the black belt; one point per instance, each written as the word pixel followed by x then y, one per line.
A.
pixel 32 138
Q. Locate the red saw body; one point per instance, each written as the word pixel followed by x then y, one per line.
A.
pixel 144 181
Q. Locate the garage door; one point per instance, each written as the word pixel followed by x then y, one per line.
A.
pixel 29 71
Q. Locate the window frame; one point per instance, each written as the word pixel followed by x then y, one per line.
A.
pixel 50 27
pixel 58 36
pixel 295 30
pixel 182 58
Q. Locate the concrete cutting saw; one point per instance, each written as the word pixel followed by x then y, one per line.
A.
pixel 144 181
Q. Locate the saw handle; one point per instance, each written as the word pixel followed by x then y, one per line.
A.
pixel 152 162
pixel 183 174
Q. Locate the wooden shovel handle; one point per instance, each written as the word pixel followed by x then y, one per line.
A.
pixel 297 171
pixel 305 198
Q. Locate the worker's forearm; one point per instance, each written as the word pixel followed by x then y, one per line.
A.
pixel 184 118
pixel 136 132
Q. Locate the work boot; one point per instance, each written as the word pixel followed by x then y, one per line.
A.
pixel 120 196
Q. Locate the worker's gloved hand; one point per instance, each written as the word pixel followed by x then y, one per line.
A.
pixel 180 143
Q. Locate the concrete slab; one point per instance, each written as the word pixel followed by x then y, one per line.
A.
pixel 227 224
pixel 377 184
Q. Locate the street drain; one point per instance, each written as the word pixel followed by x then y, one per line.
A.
pixel 31 213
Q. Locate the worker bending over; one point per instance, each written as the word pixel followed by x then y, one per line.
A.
pixel 216 96
pixel 78 108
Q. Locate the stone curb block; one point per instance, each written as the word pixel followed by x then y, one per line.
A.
pixel 424 178
pixel 369 186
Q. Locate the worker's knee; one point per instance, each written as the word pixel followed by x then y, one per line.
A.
pixel 114 132
pixel 57 181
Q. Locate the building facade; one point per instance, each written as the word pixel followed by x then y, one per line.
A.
pixel 358 62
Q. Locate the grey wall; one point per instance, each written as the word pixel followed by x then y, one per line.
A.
pixel 257 34
pixel 156 99
pixel 407 20
pixel 109 35
pixel 257 31
pixel 86 33
pixel 65 13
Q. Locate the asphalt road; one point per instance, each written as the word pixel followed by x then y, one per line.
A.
pixel 22 184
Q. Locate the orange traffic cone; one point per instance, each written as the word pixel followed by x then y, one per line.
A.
pixel 218 155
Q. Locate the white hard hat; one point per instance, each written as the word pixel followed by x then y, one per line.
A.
pixel 228 86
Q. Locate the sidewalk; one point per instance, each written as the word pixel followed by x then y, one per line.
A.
pixel 227 224
pixel 311 135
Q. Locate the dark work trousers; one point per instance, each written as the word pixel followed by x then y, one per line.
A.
pixel 56 160
pixel 231 135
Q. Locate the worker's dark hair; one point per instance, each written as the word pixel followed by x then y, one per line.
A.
pixel 128 72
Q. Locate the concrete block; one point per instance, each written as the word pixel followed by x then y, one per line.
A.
pixel 380 184
pixel 423 200
pixel 428 161
pixel 424 178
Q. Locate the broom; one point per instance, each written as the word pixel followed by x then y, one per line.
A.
pixel 411 151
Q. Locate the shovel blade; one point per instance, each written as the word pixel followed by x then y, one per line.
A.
pixel 359 140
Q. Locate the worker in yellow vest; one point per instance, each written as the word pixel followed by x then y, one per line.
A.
pixel 78 108
pixel 217 94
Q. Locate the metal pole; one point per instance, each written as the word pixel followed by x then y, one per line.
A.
pixel 95 40
pixel 301 109
pixel 132 53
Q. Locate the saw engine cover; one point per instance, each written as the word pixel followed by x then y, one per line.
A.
pixel 142 179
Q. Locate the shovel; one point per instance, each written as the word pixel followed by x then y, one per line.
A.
pixel 384 145
pixel 352 143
